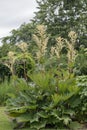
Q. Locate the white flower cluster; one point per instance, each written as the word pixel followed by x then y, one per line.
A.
pixel 23 46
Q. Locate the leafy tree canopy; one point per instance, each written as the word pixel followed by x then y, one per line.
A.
pixel 22 34
pixel 62 16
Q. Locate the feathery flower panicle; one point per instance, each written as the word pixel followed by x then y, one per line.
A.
pixel 12 57
pixel 41 40
pixel 57 52
pixel 11 60
pixel 60 40
pixel 41 29
pixel 60 43
pixel 38 54
pixel 11 54
pixel 71 54
pixel 57 49
pixel 23 46
pixel 37 40
pixel 52 51
pixel 73 36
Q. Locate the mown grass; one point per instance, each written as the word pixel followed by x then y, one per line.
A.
pixel 5 122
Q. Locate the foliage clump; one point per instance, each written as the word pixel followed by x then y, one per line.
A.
pixel 53 97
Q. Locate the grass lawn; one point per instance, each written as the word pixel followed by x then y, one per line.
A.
pixel 5 122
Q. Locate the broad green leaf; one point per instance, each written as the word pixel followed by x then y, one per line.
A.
pixel 38 125
pixel 69 112
pixel 43 114
pixel 66 120
pixel 75 125
pixel 27 118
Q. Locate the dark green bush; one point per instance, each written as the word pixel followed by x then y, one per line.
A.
pixel 81 62
pixel 46 104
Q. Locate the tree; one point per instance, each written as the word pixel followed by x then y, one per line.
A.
pixel 63 16
pixel 4 49
pixel 22 34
